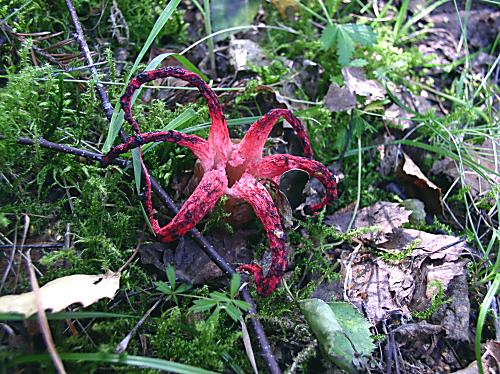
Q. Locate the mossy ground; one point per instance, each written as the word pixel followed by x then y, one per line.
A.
pixel 102 206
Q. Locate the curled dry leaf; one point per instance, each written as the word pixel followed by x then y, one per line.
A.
pixel 419 186
pixel 355 80
pixel 482 154
pixel 62 292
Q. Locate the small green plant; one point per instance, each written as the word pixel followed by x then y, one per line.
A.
pixel 438 299
pixel 170 288
pixel 223 301
pixel 395 257
pixel 218 218
pixel 345 37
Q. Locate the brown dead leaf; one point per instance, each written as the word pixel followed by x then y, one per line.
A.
pixel 339 99
pixel 482 154
pixel 419 186
pixel 379 287
pixel 399 116
pixel 286 8
pixel 385 215
pixel 355 80
pixel 62 292
pixel 444 274
pixel 436 247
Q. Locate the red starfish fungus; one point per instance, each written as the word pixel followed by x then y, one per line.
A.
pixel 229 168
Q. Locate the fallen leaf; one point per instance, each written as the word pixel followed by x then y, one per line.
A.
pixel 419 186
pixel 355 80
pixel 444 274
pixel 339 99
pixel 245 53
pixel 62 292
pixel 477 184
pixel 191 264
pixel 378 286
pixel 342 332
pixel 385 215
pixel 286 8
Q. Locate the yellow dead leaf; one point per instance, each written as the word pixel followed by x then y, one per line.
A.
pixel 285 7
pixel 62 292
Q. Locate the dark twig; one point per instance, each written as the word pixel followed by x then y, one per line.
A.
pixel 84 47
pixel 267 354
pixel 40 51
pixel 34 246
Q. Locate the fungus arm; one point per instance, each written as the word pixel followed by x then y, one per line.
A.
pixel 272 167
pixel 250 190
pixel 197 145
pixel 219 135
pixel 251 146
pixel 197 206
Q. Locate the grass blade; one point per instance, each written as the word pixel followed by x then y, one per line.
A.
pixel 483 309
pixel 136 361
pixel 117 120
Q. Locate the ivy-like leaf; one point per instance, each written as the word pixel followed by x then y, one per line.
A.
pixel 328 36
pixel 345 37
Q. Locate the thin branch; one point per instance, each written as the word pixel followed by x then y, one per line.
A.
pixel 34 246
pixel 84 47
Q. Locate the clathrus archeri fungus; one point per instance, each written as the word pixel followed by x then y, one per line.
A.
pixel 229 169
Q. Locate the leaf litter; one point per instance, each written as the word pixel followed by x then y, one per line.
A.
pixel 400 269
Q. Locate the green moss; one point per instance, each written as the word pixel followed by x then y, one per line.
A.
pixel 201 343
pixel 401 255
pixel 438 299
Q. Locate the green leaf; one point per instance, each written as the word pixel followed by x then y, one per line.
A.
pixel 336 331
pixel 183 288
pixel 345 37
pixel 328 36
pixel 235 284
pixel 361 34
pixel 219 296
pixel 243 305
pixel 171 275
pixel 163 287
pixel 355 326
pixel 136 361
pixel 136 163
pixel 202 305
pixel 233 312
pixel 345 46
